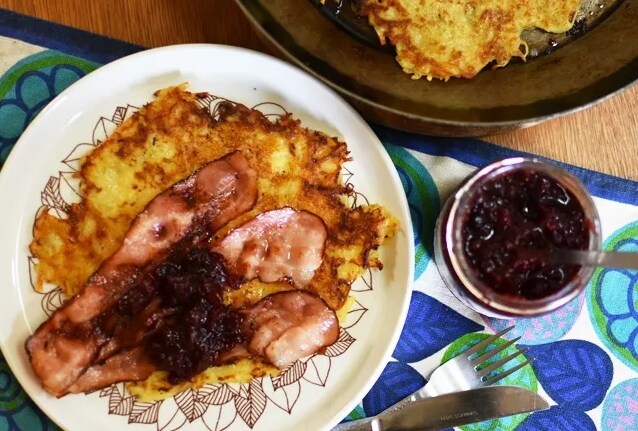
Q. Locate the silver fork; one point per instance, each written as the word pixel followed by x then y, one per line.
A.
pixel 458 374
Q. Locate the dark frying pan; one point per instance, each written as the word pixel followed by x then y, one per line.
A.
pixel 563 73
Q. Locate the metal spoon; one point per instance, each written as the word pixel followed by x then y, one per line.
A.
pixel 614 259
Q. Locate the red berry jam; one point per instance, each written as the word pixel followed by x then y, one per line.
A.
pixel 513 221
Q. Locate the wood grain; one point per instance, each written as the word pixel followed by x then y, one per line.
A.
pixel 603 138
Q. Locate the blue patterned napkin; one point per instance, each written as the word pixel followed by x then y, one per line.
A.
pixel 585 354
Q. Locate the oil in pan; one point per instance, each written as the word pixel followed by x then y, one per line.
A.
pixel 590 14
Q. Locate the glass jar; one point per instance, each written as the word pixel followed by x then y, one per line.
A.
pixel 463 280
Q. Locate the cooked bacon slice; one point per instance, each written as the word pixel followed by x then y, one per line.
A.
pixel 282 244
pixel 128 365
pixel 287 326
pixel 281 328
pixel 68 342
pixel 130 331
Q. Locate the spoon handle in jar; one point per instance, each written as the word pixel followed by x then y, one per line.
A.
pixel 613 259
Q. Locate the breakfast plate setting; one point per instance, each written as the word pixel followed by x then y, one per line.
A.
pixel 117 179
pixel 369 173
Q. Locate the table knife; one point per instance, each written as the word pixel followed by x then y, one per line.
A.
pixel 455 409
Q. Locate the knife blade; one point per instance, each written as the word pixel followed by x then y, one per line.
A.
pixel 455 409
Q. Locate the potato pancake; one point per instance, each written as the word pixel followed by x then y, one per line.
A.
pixel 166 141
pixel 457 38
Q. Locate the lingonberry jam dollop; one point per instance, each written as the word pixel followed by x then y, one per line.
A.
pixel 514 220
pixel 179 305
pixel 201 326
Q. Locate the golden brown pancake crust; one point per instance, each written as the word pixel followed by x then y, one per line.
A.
pixel 167 140
pixel 457 38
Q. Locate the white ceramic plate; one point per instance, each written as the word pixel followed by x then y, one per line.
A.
pixel 319 391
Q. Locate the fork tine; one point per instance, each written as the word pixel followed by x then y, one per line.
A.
pixel 487 355
pixel 485 371
pixel 506 373
pixel 486 342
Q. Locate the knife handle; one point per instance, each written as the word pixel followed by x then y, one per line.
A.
pixel 366 424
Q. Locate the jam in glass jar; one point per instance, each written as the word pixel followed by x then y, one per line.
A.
pixel 495 235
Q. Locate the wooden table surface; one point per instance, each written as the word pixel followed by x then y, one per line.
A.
pixel 604 137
